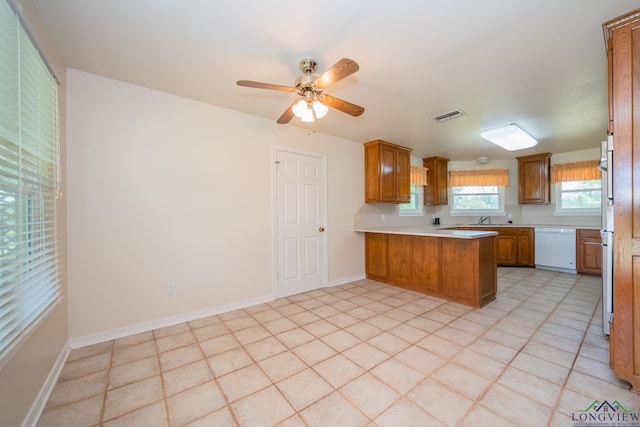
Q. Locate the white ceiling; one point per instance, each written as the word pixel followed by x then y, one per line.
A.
pixel 538 63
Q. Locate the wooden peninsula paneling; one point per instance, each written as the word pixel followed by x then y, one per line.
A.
pixel 460 270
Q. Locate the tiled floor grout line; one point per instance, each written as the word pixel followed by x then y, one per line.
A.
pixel 162 384
pixel 112 353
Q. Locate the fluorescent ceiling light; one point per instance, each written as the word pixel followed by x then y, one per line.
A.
pixel 509 137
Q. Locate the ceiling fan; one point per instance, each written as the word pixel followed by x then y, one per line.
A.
pixel 314 102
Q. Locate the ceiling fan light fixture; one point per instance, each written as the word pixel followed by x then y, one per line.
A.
pixel 300 108
pixel 308 116
pixel 509 137
pixel 320 109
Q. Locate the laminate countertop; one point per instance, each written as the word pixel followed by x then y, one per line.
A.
pixel 429 231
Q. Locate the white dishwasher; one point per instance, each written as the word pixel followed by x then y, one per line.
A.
pixel 555 249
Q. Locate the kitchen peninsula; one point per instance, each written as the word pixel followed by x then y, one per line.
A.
pixel 458 265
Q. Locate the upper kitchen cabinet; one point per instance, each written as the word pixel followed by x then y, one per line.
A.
pixel 386 173
pixel 533 179
pixel 623 43
pixel 436 191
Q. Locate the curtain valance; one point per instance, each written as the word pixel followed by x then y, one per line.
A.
pixel 576 171
pixel 478 177
pixel 418 175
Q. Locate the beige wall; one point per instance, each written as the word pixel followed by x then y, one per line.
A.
pixel 22 379
pixel 166 189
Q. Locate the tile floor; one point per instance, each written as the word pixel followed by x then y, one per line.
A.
pixel 360 354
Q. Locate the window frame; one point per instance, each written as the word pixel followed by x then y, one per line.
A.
pixel 561 211
pixel 472 212
pixel 417 195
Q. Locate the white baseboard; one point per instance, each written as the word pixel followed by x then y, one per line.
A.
pixel 45 392
pixel 162 323
pixel 345 280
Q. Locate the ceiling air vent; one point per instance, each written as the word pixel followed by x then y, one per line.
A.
pixel 449 116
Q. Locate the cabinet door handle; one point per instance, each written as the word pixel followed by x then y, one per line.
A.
pixel 321 229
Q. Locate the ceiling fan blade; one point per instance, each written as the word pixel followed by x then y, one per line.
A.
pixel 259 85
pixel 287 115
pixel 339 104
pixel 343 68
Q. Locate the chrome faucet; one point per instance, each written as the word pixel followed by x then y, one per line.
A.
pixel 483 219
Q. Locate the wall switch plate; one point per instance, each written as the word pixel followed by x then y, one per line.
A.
pixel 382 217
pixel 171 288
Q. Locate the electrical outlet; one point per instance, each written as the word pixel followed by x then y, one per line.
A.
pixel 382 217
pixel 171 288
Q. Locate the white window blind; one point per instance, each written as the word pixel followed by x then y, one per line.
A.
pixel 29 264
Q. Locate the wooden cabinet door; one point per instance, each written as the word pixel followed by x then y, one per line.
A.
pixel 436 192
pixel 400 259
pixel 372 172
pixel 388 173
pixel 461 259
pixel 533 179
pixel 375 253
pixel 403 180
pixel 506 247
pixel 525 247
pixel 624 33
pixel 443 175
pixel 588 251
pixel 426 263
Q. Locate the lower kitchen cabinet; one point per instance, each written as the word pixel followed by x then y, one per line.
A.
pixel 506 246
pixel 460 270
pixel 376 256
pixel 514 245
pixel 526 248
pixel 588 251
pixel 400 263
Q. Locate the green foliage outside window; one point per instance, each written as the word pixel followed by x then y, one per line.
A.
pixel 581 195
pixel 475 198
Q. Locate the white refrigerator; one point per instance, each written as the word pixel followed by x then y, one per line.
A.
pixel 606 165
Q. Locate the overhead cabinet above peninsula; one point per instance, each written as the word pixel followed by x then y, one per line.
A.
pixel 386 173
pixel 436 191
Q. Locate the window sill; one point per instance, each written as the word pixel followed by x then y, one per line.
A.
pixel 476 213
pixel 578 213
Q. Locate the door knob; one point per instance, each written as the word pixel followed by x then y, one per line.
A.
pixel 321 229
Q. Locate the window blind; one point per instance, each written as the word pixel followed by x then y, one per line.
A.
pixel 29 260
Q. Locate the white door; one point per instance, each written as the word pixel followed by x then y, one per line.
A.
pixel 300 222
